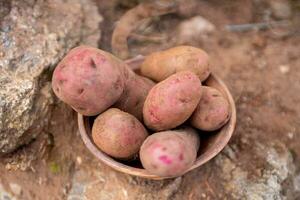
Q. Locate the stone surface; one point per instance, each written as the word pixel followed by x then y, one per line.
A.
pixel 34 36
pixel 195 28
pixel 296 182
pixel 273 167
pixel 267 184
pixel 5 195
pixel 97 183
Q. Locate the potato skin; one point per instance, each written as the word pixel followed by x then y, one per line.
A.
pixel 170 153
pixel 212 112
pixel 134 95
pixel 91 80
pixel 160 65
pixel 172 101
pixel 118 133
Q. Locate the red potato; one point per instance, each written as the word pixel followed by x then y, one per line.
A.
pixel 91 80
pixel 160 65
pixel 118 133
pixel 134 96
pixel 81 80
pixel 172 101
pixel 212 112
pixel 170 153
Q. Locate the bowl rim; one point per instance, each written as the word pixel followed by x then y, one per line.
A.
pixel 202 159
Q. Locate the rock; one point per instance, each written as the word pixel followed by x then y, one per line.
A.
pixel 281 9
pixel 284 69
pixel 85 186
pixel 34 36
pixel 267 184
pixel 296 182
pixel 79 160
pixel 259 173
pixel 15 188
pixel 114 185
pixel 4 195
pixel 193 29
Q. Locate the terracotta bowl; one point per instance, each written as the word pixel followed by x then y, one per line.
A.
pixel 211 143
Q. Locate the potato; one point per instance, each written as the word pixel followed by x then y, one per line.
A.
pixel 160 65
pixel 170 153
pixel 172 101
pixel 91 80
pixel 118 133
pixel 212 112
pixel 133 98
pixel 88 80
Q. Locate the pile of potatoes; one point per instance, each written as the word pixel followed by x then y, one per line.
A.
pixel 152 116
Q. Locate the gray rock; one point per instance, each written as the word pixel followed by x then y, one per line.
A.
pixel 259 175
pixel 279 167
pixel 195 28
pixel 95 182
pixel 296 182
pixel 4 195
pixel 34 36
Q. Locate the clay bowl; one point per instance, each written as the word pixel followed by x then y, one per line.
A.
pixel 211 143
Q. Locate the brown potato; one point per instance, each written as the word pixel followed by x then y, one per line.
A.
pixel 118 133
pixel 160 65
pixel 172 101
pixel 170 153
pixel 212 112
pixel 133 98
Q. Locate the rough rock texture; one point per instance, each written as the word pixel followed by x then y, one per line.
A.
pixel 85 185
pixel 234 180
pixel 34 36
pixel 4 195
pixel 278 167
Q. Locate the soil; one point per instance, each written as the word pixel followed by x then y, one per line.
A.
pixel 261 68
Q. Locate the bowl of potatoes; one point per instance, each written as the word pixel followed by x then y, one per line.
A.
pixel 156 117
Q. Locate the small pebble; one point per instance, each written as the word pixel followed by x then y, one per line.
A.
pixel 194 28
pixel 290 135
pixel 284 69
pixel 79 160
pixel 261 63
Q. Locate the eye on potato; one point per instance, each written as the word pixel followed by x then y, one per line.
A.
pixel 170 153
pixel 212 112
pixel 172 101
pixel 160 65
pixel 118 133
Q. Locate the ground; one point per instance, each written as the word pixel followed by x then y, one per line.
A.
pixel 261 69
